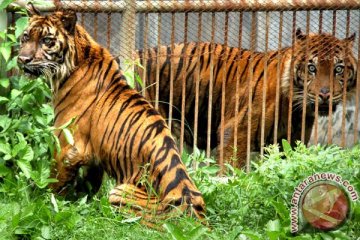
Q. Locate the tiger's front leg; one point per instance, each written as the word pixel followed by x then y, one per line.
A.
pixel 66 169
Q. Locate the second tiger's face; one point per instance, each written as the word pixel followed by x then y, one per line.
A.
pixel 326 66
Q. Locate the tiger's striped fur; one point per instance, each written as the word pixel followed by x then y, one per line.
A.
pixel 116 130
pixel 234 64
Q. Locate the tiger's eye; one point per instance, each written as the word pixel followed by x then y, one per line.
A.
pixel 25 37
pixel 47 41
pixel 312 68
pixel 339 69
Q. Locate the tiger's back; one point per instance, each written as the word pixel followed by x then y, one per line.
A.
pixel 231 71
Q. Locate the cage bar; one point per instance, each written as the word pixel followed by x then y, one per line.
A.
pixel 331 83
pixel 343 140
pixel 183 85
pixel 278 80
pixel 304 103
pixel 356 122
pixel 193 6
pixel 211 80
pixel 291 86
pixel 197 81
pixel 263 106
pixel 171 89
pixel 237 92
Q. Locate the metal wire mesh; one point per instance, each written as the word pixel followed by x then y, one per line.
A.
pixel 126 26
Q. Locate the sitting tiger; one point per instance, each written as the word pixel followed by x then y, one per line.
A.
pixel 115 129
pixel 234 64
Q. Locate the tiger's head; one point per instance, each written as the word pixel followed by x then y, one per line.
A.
pixel 320 59
pixel 47 45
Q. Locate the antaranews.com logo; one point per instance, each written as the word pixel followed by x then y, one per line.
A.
pixel 323 201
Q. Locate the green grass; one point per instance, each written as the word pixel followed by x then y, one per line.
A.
pixel 248 206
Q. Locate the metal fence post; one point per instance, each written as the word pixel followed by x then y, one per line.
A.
pixel 127 32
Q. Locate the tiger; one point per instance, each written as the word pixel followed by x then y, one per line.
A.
pixel 115 130
pixel 322 129
pixel 311 55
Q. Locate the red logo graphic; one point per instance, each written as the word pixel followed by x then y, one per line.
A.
pixel 325 206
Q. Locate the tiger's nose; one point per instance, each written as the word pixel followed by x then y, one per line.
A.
pixel 24 59
pixel 324 94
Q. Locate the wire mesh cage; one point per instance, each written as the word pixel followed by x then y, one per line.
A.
pixel 233 76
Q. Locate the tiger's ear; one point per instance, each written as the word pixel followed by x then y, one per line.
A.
pixel 349 41
pixel 68 19
pixel 299 35
pixel 31 10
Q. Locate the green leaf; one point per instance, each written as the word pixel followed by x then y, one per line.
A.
pixel 54 203
pixel 25 167
pixel 131 220
pixel 20 25
pixel 28 155
pixel 273 226
pixel 175 232
pixel 286 146
pixel 12 64
pixel 11 37
pixel 5 148
pixel 197 233
pixel 68 136
pixel 67 123
pixel 252 235
pixel 4 82
pixel 45 232
pixel 3 100
pixel 5 50
pixel 139 80
pixel 15 93
pixel 130 78
pixel 27 103
pixel 5 3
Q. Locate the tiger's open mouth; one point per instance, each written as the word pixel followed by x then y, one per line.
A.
pixel 31 71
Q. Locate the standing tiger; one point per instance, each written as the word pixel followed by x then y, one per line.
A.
pixel 115 129
pixel 312 61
